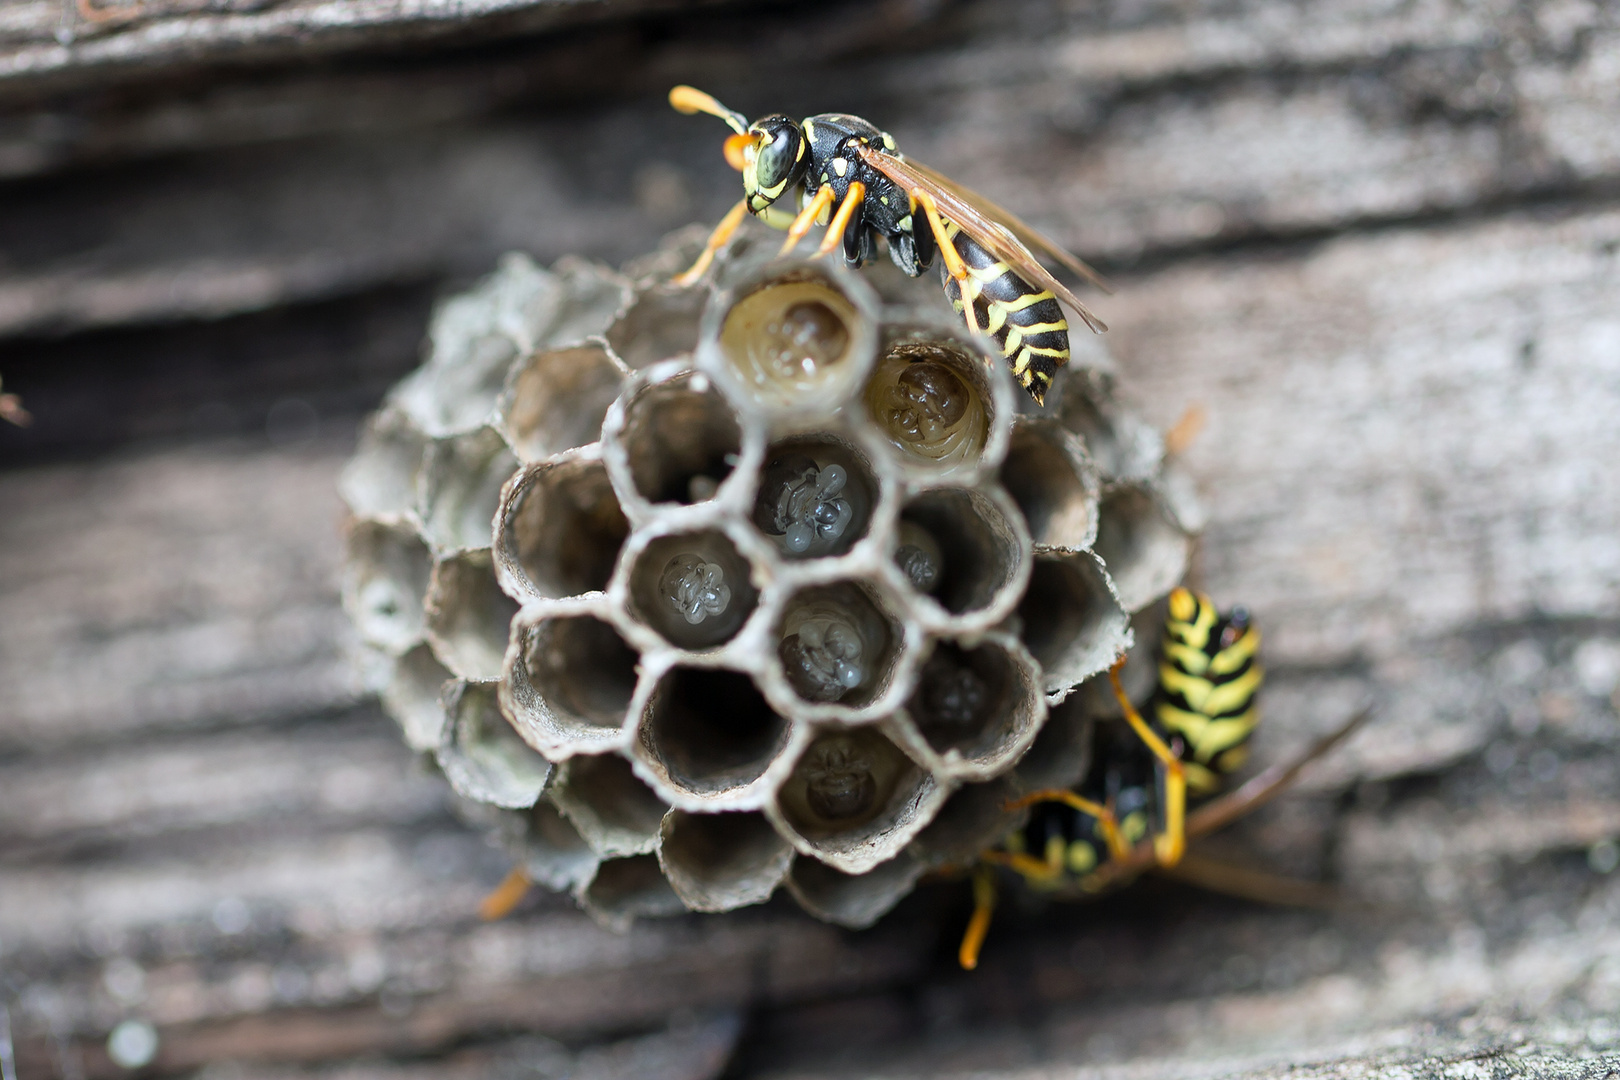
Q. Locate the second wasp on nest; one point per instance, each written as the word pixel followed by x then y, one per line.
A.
pixel 703 589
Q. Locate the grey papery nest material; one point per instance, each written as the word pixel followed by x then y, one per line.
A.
pixel 768 582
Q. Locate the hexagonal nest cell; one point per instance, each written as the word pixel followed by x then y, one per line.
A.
pixel 768 582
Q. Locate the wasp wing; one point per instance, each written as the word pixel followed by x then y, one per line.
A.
pixel 980 225
pixel 1025 232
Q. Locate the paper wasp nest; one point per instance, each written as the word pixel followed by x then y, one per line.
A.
pixel 777 581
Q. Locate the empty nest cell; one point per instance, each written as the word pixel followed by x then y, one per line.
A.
pixel 469 618
pixel 555 401
pixel 1146 551
pixel 483 758
pixel 379 482
pixel 659 325
pixel 554 854
pixel 561 530
pixel 385 580
pixel 630 888
pixel 709 733
pixel 680 439
pixel 717 862
pixel 1071 622
pixel 412 695
pixel 852 900
pixel 569 679
pixel 461 489
pixel 816 496
pixel 614 811
pixel 693 588
pixel 838 643
pixel 1054 484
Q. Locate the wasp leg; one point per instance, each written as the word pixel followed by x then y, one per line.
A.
pixel 1036 871
pixel 953 261
pixel 984 903
pixel 1118 848
pixel 1169 845
pixel 507 895
pixel 717 240
pixel 817 206
pixel 846 210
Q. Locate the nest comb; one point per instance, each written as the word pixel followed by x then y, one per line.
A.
pixel 776 581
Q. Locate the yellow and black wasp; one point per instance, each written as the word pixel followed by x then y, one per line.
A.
pixel 1130 814
pixel 838 170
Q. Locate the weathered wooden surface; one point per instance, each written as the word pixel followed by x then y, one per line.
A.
pixel 1377 244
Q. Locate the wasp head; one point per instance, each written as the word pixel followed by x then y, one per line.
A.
pixel 774 161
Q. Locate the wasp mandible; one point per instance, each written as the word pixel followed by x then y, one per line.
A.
pixel 849 176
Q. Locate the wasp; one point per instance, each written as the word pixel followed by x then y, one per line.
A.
pixel 1130 814
pixel 841 171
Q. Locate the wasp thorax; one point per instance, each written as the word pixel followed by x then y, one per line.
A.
pixel 839 781
pixel 926 406
pixel 694 589
pixel 919 557
pixel 804 503
pixel 822 654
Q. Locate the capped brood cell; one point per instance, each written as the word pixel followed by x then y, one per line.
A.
pixel 940 402
pixel 482 757
pixel 660 324
pixel 624 890
pixel 1050 477
pixel 1071 621
pixel 555 400
pixel 1145 550
pixel 854 799
pixel 568 679
pixel 793 337
pixel 707 738
pixel 817 495
pixel 694 588
pixel 673 440
pixel 559 531
pixel 468 617
pixel 718 862
pixel 855 901
pixel 615 812
pixel 977 707
pixel 966 551
pixel 383 584
pixel 839 644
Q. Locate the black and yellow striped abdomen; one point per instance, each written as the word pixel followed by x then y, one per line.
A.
pixel 1209 676
pixel 1027 324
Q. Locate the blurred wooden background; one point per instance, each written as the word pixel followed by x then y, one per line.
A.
pixel 1378 241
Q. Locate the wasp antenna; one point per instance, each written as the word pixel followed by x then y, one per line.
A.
pixel 690 100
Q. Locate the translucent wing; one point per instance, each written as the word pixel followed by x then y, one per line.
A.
pixel 1015 225
pixel 981 224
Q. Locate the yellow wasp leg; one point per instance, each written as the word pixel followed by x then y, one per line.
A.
pixel 1106 821
pixel 717 240
pixel 1169 845
pixel 846 210
pixel 499 904
pixel 822 199
pixel 984 903
pixel 947 250
pixel 1027 866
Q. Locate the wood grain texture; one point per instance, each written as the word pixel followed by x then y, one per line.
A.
pixel 1377 243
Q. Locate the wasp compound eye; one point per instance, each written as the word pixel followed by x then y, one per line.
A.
pixel 779 155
